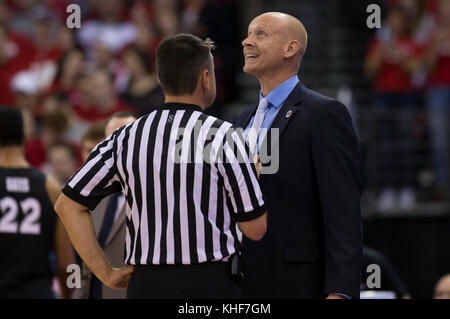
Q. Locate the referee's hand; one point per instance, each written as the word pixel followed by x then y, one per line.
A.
pixel 118 278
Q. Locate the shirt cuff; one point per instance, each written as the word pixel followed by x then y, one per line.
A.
pixel 245 217
pixel 88 202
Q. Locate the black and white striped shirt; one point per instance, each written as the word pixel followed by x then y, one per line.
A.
pixel 184 187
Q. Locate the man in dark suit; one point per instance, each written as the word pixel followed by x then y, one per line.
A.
pixel 313 245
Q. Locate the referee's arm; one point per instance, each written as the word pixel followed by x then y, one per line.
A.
pixel 78 222
pixel 243 188
pixel 84 190
pixel 256 228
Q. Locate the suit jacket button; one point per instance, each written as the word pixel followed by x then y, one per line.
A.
pixel 288 114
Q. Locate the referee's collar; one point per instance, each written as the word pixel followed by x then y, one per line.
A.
pixel 181 106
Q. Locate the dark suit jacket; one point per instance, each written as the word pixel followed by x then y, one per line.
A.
pixel 313 244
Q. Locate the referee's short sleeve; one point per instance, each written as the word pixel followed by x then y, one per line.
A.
pixel 241 181
pixel 97 178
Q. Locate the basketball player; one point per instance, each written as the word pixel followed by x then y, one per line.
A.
pixel 29 228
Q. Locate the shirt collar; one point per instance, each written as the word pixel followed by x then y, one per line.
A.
pixel 181 106
pixel 277 96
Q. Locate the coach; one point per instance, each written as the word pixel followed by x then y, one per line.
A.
pixel 185 189
pixel 313 245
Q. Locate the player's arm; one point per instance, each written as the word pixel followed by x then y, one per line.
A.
pixel 78 223
pixel 62 246
pixel 73 209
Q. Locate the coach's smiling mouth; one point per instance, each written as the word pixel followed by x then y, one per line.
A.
pixel 251 57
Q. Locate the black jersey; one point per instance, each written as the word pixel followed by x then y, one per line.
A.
pixel 27 223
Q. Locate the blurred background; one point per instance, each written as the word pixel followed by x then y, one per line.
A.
pixel 395 81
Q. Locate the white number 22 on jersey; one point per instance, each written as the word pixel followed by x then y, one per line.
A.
pixel 9 209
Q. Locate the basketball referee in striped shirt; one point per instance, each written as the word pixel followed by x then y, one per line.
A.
pixel 190 188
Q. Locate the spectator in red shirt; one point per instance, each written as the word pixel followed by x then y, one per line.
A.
pixel 46 50
pixel 391 61
pixel 437 62
pixel 14 56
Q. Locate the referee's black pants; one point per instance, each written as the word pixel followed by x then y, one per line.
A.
pixel 210 280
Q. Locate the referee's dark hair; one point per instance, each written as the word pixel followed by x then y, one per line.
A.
pixel 180 60
pixel 11 127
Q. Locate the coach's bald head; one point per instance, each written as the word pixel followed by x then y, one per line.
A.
pixel 274 47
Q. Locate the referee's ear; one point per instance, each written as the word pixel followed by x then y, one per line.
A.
pixel 204 79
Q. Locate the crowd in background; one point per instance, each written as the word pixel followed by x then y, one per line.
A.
pixel 408 62
pixel 64 80
pixel 67 81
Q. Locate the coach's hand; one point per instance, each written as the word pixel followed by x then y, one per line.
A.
pixel 118 278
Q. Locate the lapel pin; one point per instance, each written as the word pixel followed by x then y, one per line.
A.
pixel 288 114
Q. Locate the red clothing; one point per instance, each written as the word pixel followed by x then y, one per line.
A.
pixel 35 152
pixel 390 76
pixel 51 54
pixel 441 74
pixel 92 113
pixel 24 55
pixel 21 51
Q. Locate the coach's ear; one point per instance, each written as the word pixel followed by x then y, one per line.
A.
pixel 157 79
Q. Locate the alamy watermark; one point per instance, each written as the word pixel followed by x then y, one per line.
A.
pixel 74 279
pixel 73 21
pixel 374 19
pixel 373 281
pixel 218 146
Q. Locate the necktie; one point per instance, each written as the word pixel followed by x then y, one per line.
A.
pixel 257 122
pixel 108 222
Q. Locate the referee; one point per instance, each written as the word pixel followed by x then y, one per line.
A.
pixel 185 189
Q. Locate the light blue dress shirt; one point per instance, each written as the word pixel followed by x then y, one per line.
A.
pixel 275 98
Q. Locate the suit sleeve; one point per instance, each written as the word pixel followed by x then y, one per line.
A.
pixel 338 170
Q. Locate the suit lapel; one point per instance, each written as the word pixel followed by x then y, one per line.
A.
pixel 243 121
pixel 117 225
pixel 286 113
pixel 98 214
